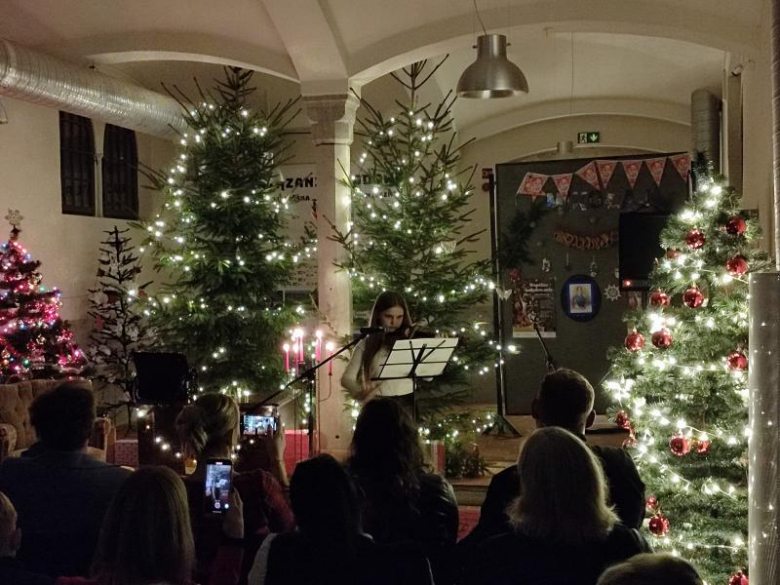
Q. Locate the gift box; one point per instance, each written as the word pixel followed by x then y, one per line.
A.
pixel 296 448
pixel 126 452
pixel 434 454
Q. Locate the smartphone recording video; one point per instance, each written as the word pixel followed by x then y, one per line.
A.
pixel 257 425
pixel 217 486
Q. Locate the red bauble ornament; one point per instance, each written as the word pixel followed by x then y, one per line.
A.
pixel 651 503
pixel 622 420
pixel 736 226
pixel 629 443
pixel 702 446
pixel 738 578
pixel 737 360
pixel 659 299
pixel 662 338
pixel 659 525
pixel 671 253
pixel 695 239
pixel 634 341
pixel 693 297
pixel 737 266
pixel 680 445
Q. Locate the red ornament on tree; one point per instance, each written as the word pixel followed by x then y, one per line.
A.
pixel 680 445
pixel 659 525
pixel 671 253
pixel 695 239
pixel 737 360
pixel 634 341
pixel 622 420
pixel 662 338
pixel 738 578
pixel 737 266
pixel 659 299
pixel 651 503
pixel 736 226
pixel 693 297
pixel 702 446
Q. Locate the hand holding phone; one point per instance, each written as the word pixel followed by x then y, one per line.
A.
pixel 218 484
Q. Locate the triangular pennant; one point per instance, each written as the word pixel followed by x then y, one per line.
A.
pixel 563 183
pixel 606 168
pixel 589 174
pixel 532 184
pixel 656 167
pixel 632 168
pixel 682 163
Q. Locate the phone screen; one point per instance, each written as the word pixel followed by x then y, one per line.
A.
pixel 217 486
pixel 256 424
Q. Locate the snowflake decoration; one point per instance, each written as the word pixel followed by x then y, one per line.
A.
pixel 612 292
pixel 14 217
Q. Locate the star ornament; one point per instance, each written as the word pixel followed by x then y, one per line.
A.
pixel 14 218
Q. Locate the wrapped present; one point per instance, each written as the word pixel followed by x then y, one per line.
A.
pixel 126 452
pixel 435 455
pixel 296 448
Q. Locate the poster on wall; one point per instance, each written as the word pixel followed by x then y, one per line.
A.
pixel 533 301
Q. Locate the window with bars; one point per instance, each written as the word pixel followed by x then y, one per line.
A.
pixel 77 164
pixel 120 173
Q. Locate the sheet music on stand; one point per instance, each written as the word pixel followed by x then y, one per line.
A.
pixel 418 358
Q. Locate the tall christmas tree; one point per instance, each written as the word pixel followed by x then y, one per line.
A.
pixel 410 230
pixel 681 382
pixel 34 341
pixel 219 241
pixel 119 327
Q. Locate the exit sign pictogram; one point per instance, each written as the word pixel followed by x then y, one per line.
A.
pixel 588 137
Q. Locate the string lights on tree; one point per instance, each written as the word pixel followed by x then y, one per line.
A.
pixel 684 399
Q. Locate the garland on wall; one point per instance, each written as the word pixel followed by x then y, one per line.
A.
pixel 600 241
pixel 513 244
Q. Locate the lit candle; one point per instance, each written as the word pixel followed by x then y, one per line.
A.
pixel 318 346
pixel 330 346
pixel 286 348
pixel 298 336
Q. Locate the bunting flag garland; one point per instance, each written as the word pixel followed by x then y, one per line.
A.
pixel 589 174
pixel 532 184
pixel 656 167
pixel 682 163
pixel 632 168
pixel 606 169
pixel 563 183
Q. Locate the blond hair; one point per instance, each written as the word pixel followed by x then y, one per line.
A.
pixel 563 495
pixel 7 525
pixel 208 424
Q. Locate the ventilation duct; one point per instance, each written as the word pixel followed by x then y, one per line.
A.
pixel 705 125
pixel 39 79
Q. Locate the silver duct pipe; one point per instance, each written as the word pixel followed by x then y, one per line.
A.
pixel 705 125
pixel 37 78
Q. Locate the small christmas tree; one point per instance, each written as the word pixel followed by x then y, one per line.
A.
pixel 119 328
pixel 219 241
pixel 681 382
pixel 34 341
pixel 410 231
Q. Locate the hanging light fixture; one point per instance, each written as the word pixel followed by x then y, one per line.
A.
pixel 492 75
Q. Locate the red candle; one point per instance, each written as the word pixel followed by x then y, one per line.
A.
pixel 318 346
pixel 330 347
pixel 286 348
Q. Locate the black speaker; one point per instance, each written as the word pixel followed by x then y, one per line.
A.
pixel 161 378
pixel 639 247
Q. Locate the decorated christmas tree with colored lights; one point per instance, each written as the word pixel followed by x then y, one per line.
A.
pixel 34 341
pixel 410 231
pixel 219 241
pixel 681 383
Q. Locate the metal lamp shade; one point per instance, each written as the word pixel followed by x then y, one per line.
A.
pixel 492 75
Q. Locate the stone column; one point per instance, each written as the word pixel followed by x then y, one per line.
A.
pixel 332 119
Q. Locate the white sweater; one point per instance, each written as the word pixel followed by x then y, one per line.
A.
pixel 352 379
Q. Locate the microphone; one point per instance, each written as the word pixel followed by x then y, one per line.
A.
pixel 370 330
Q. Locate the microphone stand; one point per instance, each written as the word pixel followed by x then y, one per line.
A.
pixel 549 362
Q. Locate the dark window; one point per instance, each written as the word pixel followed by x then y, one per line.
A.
pixel 120 173
pixel 77 164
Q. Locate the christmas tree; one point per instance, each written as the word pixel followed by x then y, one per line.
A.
pixel 119 328
pixel 219 241
pixel 410 231
pixel 34 341
pixel 681 382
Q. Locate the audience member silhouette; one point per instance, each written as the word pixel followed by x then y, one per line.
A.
pixel 651 569
pixel 400 500
pixel 330 547
pixel 11 569
pixel 565 400
pixel 60 493
pixel 564 532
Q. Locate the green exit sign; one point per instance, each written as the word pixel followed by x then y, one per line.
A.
pixel 588 137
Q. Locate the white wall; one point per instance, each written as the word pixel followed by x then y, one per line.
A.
pixel 66 245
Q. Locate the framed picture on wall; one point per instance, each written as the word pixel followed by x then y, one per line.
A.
pixel 580 298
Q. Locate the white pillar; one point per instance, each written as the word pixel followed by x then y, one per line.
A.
pixel 332 119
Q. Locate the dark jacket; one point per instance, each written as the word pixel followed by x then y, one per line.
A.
pixel 429 518
pixel 12 572
pixel 626 492
pixel 292 559
pixel 513 559
pixel 61 499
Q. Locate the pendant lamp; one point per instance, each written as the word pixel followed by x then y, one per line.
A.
pixel 492 75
